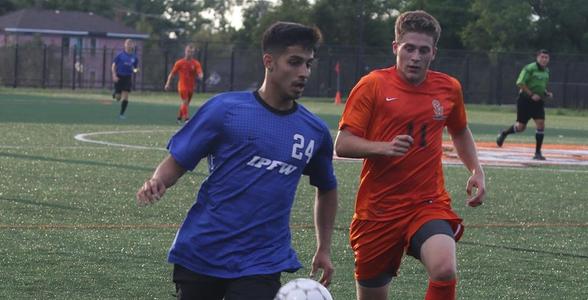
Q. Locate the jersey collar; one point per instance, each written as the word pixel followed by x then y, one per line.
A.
pixel 273 110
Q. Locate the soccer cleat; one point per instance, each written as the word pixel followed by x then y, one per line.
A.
pixel 122 117
pixel 538 156
pixel 500 139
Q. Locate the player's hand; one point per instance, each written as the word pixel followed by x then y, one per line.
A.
pixel 136 70
pixel 167 87
pixel 151 191
pixel 322 260
pixel 114 78
pixel 476 189
pixel 398 146
pixel 549 95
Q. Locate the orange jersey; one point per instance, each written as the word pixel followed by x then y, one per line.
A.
pixel 383 105
pixel 187 70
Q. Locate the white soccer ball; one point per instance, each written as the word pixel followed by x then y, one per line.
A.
pixel 303 289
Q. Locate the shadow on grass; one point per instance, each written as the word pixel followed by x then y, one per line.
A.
pixel 87 162
pixel 75 161
pixel 38 203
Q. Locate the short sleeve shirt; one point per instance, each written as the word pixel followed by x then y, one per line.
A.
pixel 239 224
pixel 381 106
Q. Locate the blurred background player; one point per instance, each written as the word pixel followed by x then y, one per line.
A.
pixel 188 69
pixel 394 119
pixel 532 84
pixel 235 241
pixel 123 67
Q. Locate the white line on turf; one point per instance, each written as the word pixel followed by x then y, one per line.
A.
pixel 83 137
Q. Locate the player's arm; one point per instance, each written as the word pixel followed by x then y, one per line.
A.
pixel 349 145
pixel 548 93
pixel 173 72
pixel 522 85
pixel 463 142
pixel 528 91
pixel 200 73
pixel 136 65
pixel 113 71
pixel 169 79
pixel 325 209
pixel 166 175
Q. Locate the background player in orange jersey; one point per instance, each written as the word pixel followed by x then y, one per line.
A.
pixel 187 68
pixel 394 119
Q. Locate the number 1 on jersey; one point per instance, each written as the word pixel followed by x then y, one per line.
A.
pixel 410 129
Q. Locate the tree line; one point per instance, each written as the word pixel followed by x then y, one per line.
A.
pixel 479 25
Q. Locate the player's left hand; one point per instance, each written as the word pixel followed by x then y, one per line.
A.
pixel 478 182
pixel 322 260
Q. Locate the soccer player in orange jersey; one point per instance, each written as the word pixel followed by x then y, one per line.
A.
pixel 187 68
pixel 394 119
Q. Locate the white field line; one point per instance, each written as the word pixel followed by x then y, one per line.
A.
pixel 514 158
pixel 83 137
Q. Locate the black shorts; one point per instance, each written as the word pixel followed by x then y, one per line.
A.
pixel 528 109
pixel 426 231
pixel 190 285
pixel 124 83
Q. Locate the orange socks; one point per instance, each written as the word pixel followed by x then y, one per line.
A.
pixel 441 290
pixel 184 112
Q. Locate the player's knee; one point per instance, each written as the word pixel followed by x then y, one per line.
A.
pixel 521 127
pixel 443 271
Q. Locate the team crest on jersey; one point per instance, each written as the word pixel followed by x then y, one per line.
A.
pixel 437 110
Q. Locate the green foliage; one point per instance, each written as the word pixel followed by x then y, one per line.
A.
pixel 500 25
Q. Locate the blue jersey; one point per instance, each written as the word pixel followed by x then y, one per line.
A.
pixel 125 63
pixel 239 224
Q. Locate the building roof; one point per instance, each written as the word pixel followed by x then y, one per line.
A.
pixel 65 23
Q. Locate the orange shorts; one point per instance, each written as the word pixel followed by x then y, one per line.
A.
pixel 186 94
pixel 379 246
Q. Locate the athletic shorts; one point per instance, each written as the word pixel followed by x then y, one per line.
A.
pixel 186 94
pixel 379 246
pixel 528 109
pixel 123 84
pixel 194 286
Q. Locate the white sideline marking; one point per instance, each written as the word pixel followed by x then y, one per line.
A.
pixel 516 157
pixel 82 137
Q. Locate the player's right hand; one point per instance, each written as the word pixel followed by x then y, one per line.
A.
pixel 114 78
pixel 166 87
pixel 151 191
pixel 398 146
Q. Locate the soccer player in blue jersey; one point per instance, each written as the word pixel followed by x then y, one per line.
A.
pixel 123 66
pixel 236 240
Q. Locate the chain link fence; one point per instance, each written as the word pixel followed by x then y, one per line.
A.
pixel 487 78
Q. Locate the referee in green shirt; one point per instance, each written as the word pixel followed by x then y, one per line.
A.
pixel 532 84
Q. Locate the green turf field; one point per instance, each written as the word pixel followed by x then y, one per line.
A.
pixel 70 228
